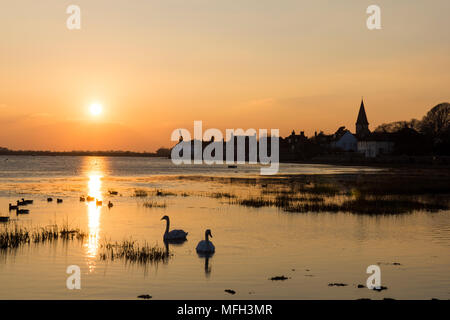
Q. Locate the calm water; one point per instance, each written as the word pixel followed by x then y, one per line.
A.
pixel 252 245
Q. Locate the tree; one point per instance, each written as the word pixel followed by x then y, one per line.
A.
pixel 437 121
pixel 436 126
pixel 398 125
pixel 163 152
pixel 434 131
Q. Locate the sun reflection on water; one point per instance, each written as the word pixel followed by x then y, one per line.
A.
pixel 95 168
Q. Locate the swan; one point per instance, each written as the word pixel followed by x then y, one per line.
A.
pixel 206 246
pixel 174 234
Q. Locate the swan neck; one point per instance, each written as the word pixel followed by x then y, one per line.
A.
pixel 167 225
pixel 206 236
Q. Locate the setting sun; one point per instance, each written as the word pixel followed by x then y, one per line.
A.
pixel 96 109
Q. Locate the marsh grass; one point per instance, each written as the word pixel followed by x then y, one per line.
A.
pixel 378 205
pixel 140 193
pixel 358 204
pixel 17 236
pixel 254 202
pixel 154 204
pixel 162 193
pixel 394 192
pixel 387 193
pixel 131 251
pixel 321 189
pixel 221 195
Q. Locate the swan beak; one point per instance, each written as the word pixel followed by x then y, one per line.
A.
pixel 211 235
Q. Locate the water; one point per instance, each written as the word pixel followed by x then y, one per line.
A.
pixel 252 244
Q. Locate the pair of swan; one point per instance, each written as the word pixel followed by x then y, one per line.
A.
pixel 203 247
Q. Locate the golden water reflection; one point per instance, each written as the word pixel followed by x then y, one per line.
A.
pixel 95 168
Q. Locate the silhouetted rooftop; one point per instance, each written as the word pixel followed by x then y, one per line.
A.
pixel 362 118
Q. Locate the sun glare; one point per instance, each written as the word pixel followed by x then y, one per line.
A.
pixel 96 109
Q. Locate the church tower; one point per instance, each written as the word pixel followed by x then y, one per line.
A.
pixel 362 125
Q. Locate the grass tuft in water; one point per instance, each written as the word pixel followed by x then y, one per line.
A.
pixel 140 193
pixel 17 236
pixel 131 251
pixel 154 204
pixel 221 195
pixel 162 193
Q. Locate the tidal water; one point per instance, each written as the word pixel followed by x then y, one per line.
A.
pixel 252 244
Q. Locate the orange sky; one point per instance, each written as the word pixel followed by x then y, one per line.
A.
pixel 159 65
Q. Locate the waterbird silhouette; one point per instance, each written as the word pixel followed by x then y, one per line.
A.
pixel 206 247
pixel 174 235
pixel 22 211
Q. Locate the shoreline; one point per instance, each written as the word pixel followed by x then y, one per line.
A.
pixel 400 162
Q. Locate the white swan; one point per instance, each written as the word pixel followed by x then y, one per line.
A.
pixel 174 235
pixel 206 246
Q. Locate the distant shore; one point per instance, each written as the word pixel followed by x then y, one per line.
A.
pixel 80 153
pixel 383 162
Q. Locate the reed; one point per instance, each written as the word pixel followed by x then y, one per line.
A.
pixel 17 236
pixel 357 203
pixel 373 206
pixel 140 193
pixel 162 193
pixel 131 251
pixel 154 204
pixel 221 195
pixel 254 202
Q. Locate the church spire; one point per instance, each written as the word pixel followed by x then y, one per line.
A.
pixel 362 125
pixel 362 117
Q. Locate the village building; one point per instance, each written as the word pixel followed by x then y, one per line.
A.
pixel 344 140
pixel 371 144
pixel 376 144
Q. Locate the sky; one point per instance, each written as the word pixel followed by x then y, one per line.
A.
pixel 156 66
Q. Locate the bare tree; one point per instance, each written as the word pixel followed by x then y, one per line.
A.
pixel 436 123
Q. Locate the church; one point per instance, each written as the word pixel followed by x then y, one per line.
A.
pixel 363 141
